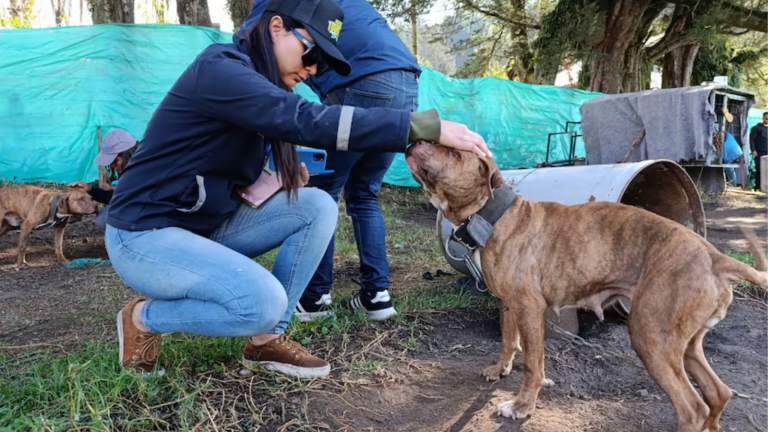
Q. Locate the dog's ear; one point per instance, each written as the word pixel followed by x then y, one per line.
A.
pixel 492 174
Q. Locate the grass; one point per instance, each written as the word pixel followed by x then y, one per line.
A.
pixel 746 258
pixel 746 289
pixel 49 388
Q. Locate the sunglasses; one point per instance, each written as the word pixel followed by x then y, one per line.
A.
pixel 313 55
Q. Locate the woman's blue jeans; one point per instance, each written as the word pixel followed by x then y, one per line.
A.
pixel 213 286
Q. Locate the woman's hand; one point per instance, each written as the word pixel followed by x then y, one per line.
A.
pixel 458 136
pixel 80 186
pixel 304 175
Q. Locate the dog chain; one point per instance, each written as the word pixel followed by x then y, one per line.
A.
pixel 578 340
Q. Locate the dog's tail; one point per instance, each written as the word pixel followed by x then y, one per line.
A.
pixel 740 271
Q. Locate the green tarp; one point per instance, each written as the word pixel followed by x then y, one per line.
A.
pixel 514 118
pixel 755 116
pixel 57 86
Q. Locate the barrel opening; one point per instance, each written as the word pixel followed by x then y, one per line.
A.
pixel 666 189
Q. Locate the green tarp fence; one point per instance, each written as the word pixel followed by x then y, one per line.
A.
pixel 755 116
pixel 57 86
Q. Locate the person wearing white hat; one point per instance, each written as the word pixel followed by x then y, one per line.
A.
pixel 116 150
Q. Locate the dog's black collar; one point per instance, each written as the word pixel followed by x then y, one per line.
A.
pixel 475 231
pixel 53 218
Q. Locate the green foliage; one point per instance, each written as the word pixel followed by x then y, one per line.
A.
pixel 434 49
pixel 568 33
pixel 397 9
pixel 741 58
pixel 491 48
pixel 497 34
pixel 571 31
pixel 496 72
pixel 155 13
pixel 238 11
pixel 714 59
pixel 751 53
pixel 24 19
pixel 159 7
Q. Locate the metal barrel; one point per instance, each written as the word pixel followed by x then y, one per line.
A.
pixel 659 186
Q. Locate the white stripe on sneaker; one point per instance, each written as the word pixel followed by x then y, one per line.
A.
pixel 311 316
pixel 357 304
pixel 381 315
pixel 381 297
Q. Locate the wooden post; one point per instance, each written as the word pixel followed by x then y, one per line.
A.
pixel 637 141
pixel 102 175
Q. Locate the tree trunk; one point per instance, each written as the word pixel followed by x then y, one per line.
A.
pixel 521 66
pixel 58 10
pixel 678 66
pixel 414 28
pixel 678 47
pixel 113 11
pixel 632 75
pixel 193 12
pixel 607 59
pixel 634 79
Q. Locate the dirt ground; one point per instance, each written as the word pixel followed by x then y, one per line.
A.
pixel 439 389
pixel 736 209
pixel 444 392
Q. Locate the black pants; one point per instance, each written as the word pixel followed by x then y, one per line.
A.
pixel 757 168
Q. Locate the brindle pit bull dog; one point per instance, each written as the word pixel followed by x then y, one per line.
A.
pixel 544 254
pixel 28 207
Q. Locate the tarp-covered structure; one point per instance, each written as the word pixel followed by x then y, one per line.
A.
pixel 679 124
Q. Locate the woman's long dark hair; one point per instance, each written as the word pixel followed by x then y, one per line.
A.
pixel 263 57
pixel 126 155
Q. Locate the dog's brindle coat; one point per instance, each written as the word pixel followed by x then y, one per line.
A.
pixel 544 254
pixel 26 207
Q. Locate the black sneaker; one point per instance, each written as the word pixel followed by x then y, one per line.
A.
pixel 377 304
pixel 311 307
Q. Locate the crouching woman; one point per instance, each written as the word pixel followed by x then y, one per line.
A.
pixel 177 231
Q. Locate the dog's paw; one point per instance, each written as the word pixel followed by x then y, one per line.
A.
pixel 711 425
pixel 509 410
pixel 547 382
pixel 492 373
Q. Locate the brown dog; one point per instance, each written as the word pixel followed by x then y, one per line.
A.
pixel 28 207
pixel 544 254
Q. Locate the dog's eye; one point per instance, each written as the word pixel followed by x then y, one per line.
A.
pixel 455 153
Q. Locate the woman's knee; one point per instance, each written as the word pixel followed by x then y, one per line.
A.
pixel 261 307
pixel 321 208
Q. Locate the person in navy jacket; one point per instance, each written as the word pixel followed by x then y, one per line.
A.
pixel 384 74
pixel 177 230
